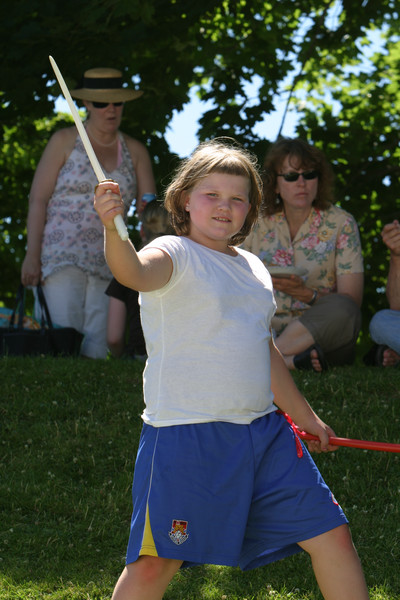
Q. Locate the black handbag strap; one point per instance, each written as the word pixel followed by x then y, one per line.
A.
pixel 44 307
pixel 19 308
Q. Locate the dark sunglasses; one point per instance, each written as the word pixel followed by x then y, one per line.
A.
pixel 293 176
pixel 104 104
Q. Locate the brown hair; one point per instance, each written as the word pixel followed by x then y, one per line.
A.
pixel 222 155
pixel 155 221
pixel 303 156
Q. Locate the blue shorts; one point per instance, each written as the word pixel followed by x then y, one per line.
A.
pixel 227 494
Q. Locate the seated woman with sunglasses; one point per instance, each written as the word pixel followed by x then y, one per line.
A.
pixel 65 235
pixel 313 250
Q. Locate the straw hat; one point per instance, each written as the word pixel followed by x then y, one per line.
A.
pixel 104 85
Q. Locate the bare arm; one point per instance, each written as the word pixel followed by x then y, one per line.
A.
pixel 391 237
pixel 54 156
pixel 350 285
pixel 289 399
pixel 116 321
pixel 144 170
pixel 393 283
pixel 145 271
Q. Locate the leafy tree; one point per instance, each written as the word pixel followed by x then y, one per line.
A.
pixel 22 145
pixel 362 141
pixel 312 53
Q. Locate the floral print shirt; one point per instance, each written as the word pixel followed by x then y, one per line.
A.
pixel 73 233
pixel 327 245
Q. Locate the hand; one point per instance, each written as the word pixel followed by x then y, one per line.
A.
pixel 292 285
pixel 323 432
pixel 108 203
pixel 391 237
pixel 31 271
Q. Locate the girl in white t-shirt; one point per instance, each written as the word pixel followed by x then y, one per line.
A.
pixel 220 476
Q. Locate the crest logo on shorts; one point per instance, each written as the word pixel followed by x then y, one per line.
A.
pixel 178 533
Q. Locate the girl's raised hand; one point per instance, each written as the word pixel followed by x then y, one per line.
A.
pixel 108 203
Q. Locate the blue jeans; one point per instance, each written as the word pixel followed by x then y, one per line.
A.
pixel 385 328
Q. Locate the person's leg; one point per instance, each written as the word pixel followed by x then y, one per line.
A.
pixel 293 340
pixel 116 325
pixel 146 579
pixel 65 292
pixel 336 565
pixel 385 329
pixel 333 323
pixel 94 344
pixel 390 358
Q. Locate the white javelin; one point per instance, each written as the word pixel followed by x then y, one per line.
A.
pixel 118 221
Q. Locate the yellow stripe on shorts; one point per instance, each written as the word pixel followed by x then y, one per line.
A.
pixel 148 546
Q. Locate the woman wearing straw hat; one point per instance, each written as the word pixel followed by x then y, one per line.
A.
pixel 65 236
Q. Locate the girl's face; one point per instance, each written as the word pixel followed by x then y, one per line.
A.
pixel 300 194
pixel 218 206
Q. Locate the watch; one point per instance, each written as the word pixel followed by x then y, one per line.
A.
pixel 313 299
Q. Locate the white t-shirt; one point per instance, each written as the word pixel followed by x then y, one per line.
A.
pixel 207 333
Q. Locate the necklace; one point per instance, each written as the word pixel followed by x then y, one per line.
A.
pixel 101 143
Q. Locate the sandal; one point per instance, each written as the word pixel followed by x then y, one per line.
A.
pixel 374 356
pixel 379 355
pixel 302 361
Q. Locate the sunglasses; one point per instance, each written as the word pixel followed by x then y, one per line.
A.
pixel 104 104
pixel 293 176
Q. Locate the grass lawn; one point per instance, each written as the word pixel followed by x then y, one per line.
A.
pixel 69 433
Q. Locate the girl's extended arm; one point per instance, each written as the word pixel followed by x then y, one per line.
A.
pixel 145 271
pixel 289 399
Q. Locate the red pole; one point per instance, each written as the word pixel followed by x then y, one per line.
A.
pixel 363 444
pixel 338 441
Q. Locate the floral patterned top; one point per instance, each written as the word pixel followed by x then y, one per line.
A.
pixel 73 233
pixel 327 245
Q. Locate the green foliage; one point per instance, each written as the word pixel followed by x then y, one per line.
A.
pixel 349 106
pixel 70 430
pixel 361 140
pixel 22 146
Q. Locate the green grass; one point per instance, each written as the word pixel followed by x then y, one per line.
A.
pixel 69 436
